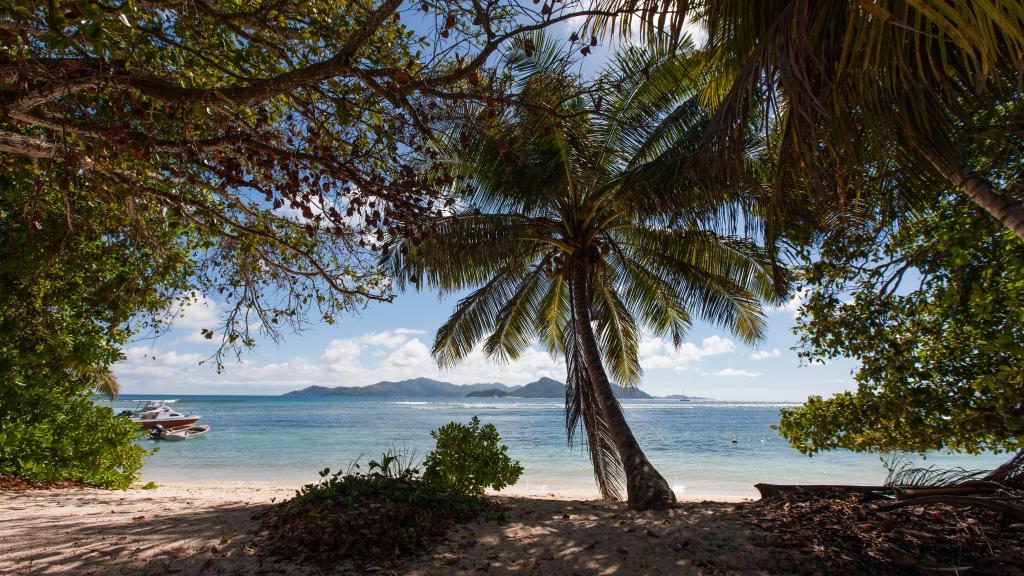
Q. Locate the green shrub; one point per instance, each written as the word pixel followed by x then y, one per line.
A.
pixel 384 514
pixel 470 459
pixel 76 282
pixel 50 434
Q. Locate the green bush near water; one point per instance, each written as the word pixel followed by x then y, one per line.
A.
pixel 470 459
pixel 53 434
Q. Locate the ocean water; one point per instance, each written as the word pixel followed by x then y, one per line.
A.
pixel 287 440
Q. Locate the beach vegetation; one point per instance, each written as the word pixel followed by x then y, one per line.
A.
pixel 470 458
pixel 53 433
pixel 76 286
pixel 933 313
pixel 563 239
pixel 386 513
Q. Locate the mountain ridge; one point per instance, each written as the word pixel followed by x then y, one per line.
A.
pixel 429 388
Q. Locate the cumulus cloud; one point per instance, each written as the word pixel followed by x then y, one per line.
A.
pixel 766 354
pixel 412 354
pixel 734 373
pixel 189 316
pixel 151 362
pixel 372 357
pixel 659 353
pixel 357 361
pixel 341 355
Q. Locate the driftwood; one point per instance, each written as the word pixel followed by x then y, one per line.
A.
pixel 965 489
pixel 953 500
pixel 775 490
pixel 983 536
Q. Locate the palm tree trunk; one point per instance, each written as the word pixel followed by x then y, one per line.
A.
pixel 646 488
pixel 1004 208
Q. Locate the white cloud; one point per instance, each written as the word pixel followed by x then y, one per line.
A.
pixel 341 355
pixel 357 361
pixel 412 354
pixel 766 354
pixel 150 362
pixel 733 372
pixel 659 353
pixel 372 357
pixel 199 313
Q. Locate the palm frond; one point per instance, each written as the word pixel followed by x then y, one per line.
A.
pixel 903 473
pixel 106 383
pixel 553 316
pixel 651 298
pixel 724 279
pixel 514 329
pixel 475 316
pixel 461 251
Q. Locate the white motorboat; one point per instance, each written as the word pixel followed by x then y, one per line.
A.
pixel 183 433
pixel 151 413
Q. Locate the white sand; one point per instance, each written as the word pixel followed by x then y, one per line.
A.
pixel 206 529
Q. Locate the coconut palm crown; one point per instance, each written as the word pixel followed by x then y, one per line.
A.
pixel 881 100
pixel 560 242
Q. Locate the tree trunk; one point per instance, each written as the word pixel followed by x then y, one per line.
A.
pixel 646 488
pixel 1004 208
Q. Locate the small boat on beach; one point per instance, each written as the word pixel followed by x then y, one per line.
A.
pixel 182 433
pixel 152 413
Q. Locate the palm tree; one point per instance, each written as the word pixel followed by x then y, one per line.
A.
pixel 106 383
pixel 560 242
pixel 880 97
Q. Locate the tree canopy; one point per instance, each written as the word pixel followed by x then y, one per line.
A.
pixel 78 277
pixel 280 131
pixel 932 312
pixel 253 152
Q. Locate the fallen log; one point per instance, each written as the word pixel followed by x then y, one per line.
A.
pixel 775 490
pixel 964 489
pixel 953 500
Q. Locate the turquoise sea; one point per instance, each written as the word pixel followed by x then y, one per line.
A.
pixel 287 440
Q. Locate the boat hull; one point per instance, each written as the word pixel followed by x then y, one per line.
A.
pixel 167 423
pixel 185 433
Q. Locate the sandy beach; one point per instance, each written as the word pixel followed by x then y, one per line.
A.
pixel 207 529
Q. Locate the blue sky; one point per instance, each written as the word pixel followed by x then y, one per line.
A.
pixel 392 342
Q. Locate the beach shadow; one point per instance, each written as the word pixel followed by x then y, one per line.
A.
pixel 134 532
pixel 193 533
pixel 557 537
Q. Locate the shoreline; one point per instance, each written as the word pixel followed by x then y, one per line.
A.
pixel 546 492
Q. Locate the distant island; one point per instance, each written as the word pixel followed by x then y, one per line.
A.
pixel 428 388
pixel 492 393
